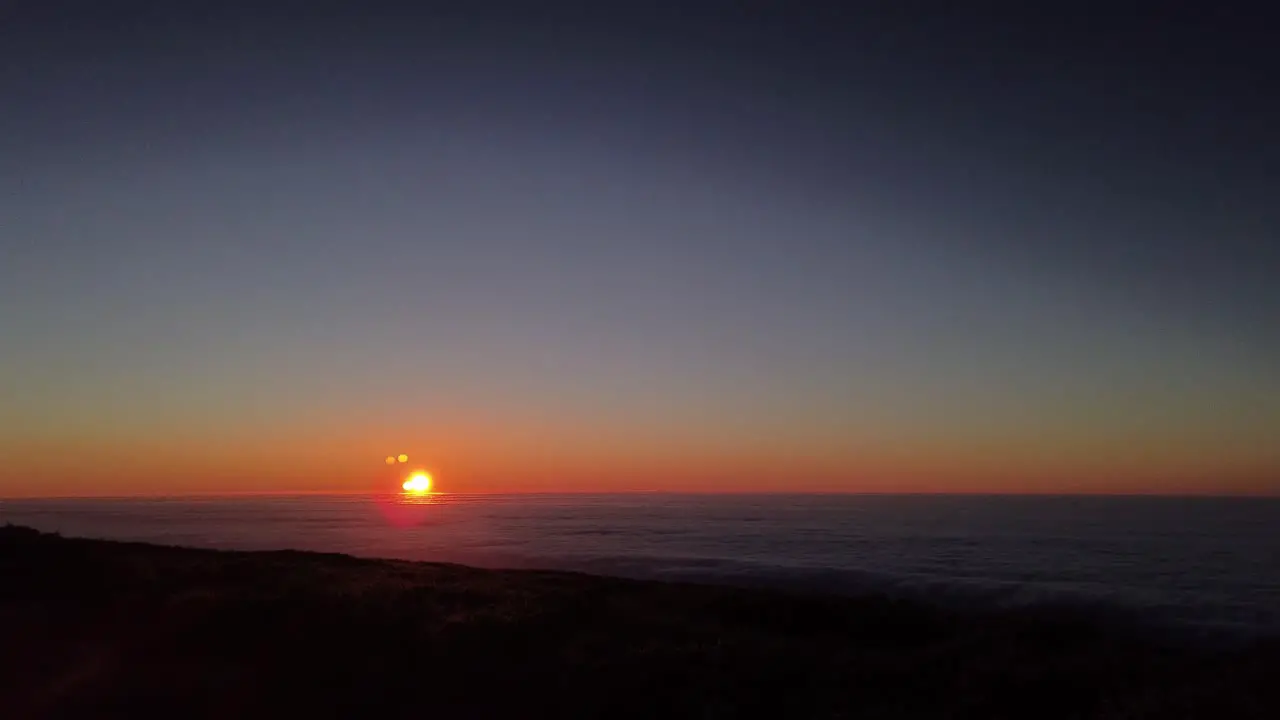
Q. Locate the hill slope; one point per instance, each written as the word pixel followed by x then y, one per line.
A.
pixel 95 628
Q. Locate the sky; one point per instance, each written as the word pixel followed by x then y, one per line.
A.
pixel 544 247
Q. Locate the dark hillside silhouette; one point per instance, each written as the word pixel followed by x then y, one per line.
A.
pixel 99 629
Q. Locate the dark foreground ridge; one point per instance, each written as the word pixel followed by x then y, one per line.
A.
pixel 93 628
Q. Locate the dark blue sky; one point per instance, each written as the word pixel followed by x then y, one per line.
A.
pixel 766 245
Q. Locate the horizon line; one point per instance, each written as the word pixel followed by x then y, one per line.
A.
pixel 690 493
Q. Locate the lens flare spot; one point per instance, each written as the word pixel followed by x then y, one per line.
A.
pixel 403 458
pixel 391 460
pixel 419 482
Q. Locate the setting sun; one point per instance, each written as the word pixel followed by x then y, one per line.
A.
pixel 419 482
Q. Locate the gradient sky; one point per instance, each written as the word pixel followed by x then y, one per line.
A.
pixel 636 246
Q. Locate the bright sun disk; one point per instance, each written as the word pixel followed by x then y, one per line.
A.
pixel 418 482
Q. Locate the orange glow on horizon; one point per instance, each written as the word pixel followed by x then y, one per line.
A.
pixel 479 459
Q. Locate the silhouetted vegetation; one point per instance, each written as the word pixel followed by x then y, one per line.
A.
pixel 94 628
